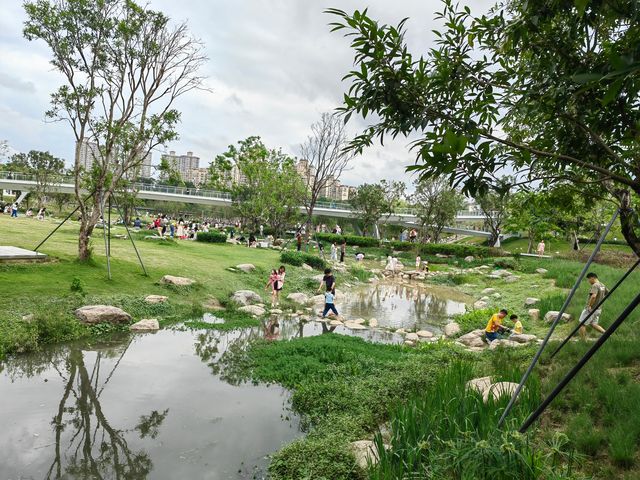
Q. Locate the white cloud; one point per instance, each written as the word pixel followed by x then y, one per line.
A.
pixel 274 68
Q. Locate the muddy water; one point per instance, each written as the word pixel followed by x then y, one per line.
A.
pixel 404 305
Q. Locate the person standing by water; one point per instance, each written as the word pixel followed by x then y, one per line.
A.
pixel 343 250
pixel 273 283
pixel 596 294
pixel 418 263
pixel 328 280
pixel 540 249
pixel 329 298
pixel 282 272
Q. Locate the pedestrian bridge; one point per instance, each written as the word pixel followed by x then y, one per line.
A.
pixel 164 193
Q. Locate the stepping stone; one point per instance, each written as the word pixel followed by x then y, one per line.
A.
pixel 94 314
pixel 146 325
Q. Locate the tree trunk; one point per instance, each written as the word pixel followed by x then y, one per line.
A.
pixel 628 222
pixel 84 238
pixel 530 246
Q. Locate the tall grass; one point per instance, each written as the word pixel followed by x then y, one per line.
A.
pixel 449 432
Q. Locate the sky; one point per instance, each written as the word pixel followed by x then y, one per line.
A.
pixel 274 67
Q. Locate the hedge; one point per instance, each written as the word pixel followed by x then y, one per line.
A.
pixel 350 239
pixel 456 249
pixel 298 258
pixel 211 237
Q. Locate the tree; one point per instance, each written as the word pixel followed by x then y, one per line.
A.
pixel 551 93
pixel 531 212
pixel 123 67
pixel 327 157
pixel 493 205
pixel 436 204
pixel 45 168
pixel 264 184
pixel 373 200
pixel 169 174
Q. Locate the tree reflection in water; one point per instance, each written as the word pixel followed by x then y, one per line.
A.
pixel 86 444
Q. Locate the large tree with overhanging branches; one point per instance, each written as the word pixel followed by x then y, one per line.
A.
pixel 123 66
pixel 547 89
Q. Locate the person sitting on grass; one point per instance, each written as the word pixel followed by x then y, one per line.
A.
pixel 517 325
pixel 328 304
pixel 491 333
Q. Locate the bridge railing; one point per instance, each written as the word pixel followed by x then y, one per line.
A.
pixel 205 193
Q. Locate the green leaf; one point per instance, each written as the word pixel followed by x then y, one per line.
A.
pixel 582 78
pixel 581 6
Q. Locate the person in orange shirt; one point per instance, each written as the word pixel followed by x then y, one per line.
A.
pixel 491 332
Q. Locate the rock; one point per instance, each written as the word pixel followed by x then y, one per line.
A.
pixel 410 343
pixel 354 326
pixel 498 390
pixel 299 298
pixel 246 297
pixel 496 295
pixel 28 317
pixel 511 279
pixel 359 321
pixel 412 336
pixel 480 304
pixel 472 339
pixel 93 314
pixel 275 311
pixel 253 310
pixel 373 322
pixel 451 329
pixel 480 384
pixel 494 277
pixel 336 323
pixel 177 281
pixel 503 342
pixel 318 278
pixel 307 267
pixel 365 452
pixel 317 300
pixel 155 299
pixel 485 299
pixel 424 334
pixel 401 331
pixel 213 303
pixel 470 258
pixel 523 338
pixel 146 325
pixel 503 273
pixel 534 314
pixel 531 301
pixel 551 316
pixel 246 267
pixel 541 271
pixel 488 291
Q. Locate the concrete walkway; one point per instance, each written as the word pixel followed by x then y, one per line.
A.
pixel 12 254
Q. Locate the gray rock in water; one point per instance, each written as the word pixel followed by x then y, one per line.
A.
pixel 299 298
pixel 146 325
pixel 246 297
pixel 155 299
pixel 354 326
pixel 93 314
pixel 246 267
pixel 451 329
pixel 177 281
pixel 373 323
pixel 253 310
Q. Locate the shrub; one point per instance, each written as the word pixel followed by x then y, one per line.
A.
pixel 473 319
pixel 76 286
pixel 211 237
pixel 456 249
pixel 509 263
pixel 298 258
pixel 350 239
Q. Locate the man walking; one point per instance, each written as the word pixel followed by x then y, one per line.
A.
pixel 596 294
pixel 14 210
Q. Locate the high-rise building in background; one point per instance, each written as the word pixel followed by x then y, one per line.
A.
pixel 199 176
pixel 145 168
pixel 89 153
pixel 184 164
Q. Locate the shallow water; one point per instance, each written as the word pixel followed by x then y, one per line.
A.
pixel 145 406
pixel 403 305
pixel 160 406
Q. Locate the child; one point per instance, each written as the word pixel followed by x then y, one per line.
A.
pixel 418 263
pixel 328 304
pixel 334 252
pixel 517 325
pixel 274 280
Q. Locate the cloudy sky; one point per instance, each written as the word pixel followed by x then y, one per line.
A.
pixel 274 68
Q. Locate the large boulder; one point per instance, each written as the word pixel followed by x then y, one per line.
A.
pixel 299 298
pixel 498 390
pixel 354 326
pixel 480 304
pixel 424 334
pixel 473 339
pixel 155 299
pixel 523 338
pixel 256 310
pixel 246 297
pixel 212 303
pixel 552 315
pixel 531 301
pixel 93 314
pixel 503 342
pixel 309 268
pixel 412 337
pixel 177 281
pixel 317 300
pixel 488 291
pixel 470 258
pixel 365 452
pixel 146 325
pixel 480 385
pixel 451 329
pixel 246 267
pixel 541 271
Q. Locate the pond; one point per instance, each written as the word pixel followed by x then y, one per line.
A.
pixel 160 406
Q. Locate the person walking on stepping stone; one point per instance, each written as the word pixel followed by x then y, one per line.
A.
pixel 596 294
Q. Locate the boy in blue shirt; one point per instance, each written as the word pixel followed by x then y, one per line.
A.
pixel 328 304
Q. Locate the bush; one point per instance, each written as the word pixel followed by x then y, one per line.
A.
pixel 298 258
pixel 509 263
pixel 211 237
pixel 350 239
pixel 474 319
pixel 456 249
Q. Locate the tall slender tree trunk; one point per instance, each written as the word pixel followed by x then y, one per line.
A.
pixel 629 222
